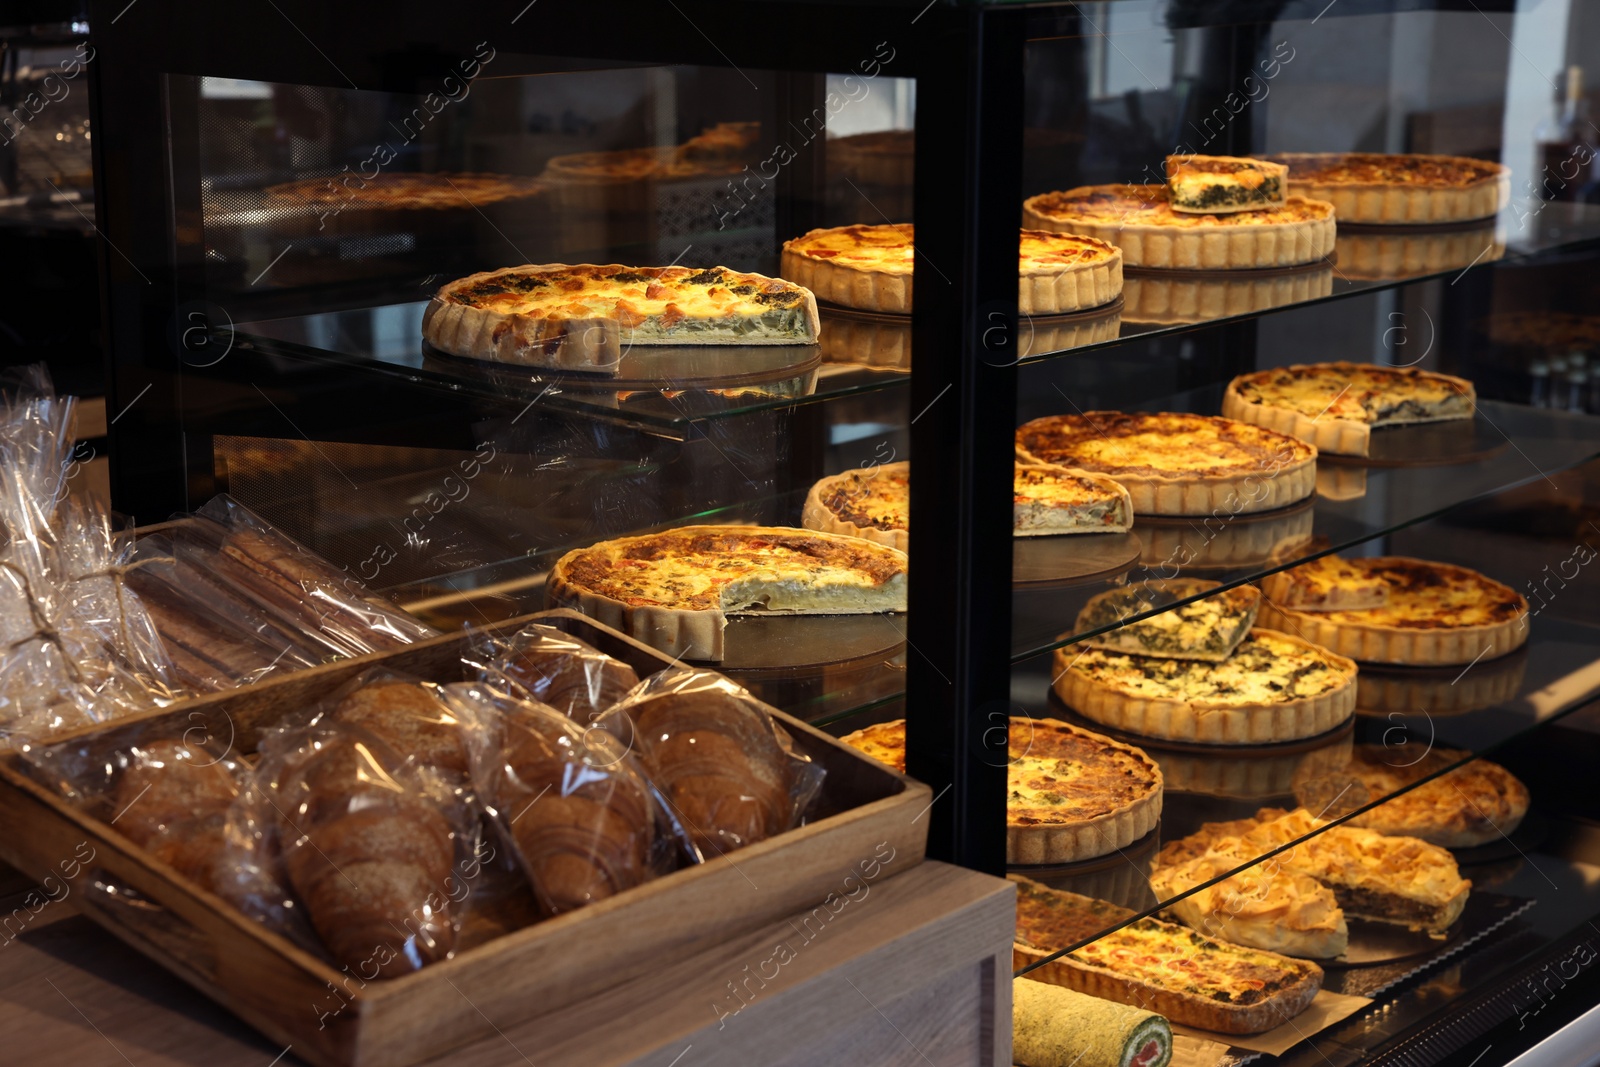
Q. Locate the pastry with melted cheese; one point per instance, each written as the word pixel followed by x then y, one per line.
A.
pixel 1328 583
pixel 1189 978
pixel 583 318
pixel 1140 220
pixel 1377 188
pixel 1048 501
pixel 1433 614
pixel 869 267
pixel 1074 794
pixel 1209 628
pixel 1336 406
pixel 675 589
pixel 1175 463
pixel 1265 906
pixel 1219 185
pixel 1274 687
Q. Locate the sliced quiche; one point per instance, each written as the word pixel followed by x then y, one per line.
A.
pixel 1328 583
pixel 1218 185
pixel 1210 628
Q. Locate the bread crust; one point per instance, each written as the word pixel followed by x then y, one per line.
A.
pixel 1395 203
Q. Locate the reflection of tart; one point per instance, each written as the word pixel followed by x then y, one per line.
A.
pixel 1139 220
pixel 1466 807
pixel 1178 464
pixel 1445 692
pixel 1074 794
pixel 1209 628
pixel 1273 688
pixel 875 503
pixel 1370 187
pixel 1221 541
pixel 1433 614
pixel 881 157
pixel 869 267
pixel 1196 981
pixel 1223 184
pixel 1265 907
pixel 1250 774
pixel 1397 254
pixel 1546 331
pixel 1328 583
pixel 1174 297
pixel 404 191
pixel 1336 406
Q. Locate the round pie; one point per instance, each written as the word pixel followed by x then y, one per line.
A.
pixel 869 267
pixel 1175 463
pixel 1140 220
pixel 1433 614
pixel 1336 406
pixel 1074 794
pixel 404 191
pixel 1275 687
pixel 1374 188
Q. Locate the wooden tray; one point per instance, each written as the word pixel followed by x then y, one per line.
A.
pixel 332 1019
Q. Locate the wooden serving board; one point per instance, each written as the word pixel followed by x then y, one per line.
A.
pixel 331 1018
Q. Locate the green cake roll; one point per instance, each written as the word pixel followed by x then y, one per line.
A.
pixel 1055 1027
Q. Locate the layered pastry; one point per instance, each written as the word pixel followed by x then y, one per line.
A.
pixel 1377 188
pixel 1219 185
pixel 1209 628
pixel 1264 907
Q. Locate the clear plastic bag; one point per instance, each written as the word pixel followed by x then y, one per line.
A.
pixel 543 663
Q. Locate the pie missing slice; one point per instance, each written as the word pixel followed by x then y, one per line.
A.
pixel 1209 628
pixel 1328 583
pixel 1220 185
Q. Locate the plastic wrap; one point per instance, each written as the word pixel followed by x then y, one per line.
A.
pixel 545 664
pixel 729 772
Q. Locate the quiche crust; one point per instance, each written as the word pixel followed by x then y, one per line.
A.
pixel 1224 184
pixel 1140 220
pixel 1386 189
pixel 1330 432
pixel 1203 719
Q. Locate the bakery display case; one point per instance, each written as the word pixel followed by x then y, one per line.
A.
pixel 1269 681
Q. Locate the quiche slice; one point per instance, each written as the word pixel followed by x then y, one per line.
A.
pixel 585 317
pixel 1266 906
pixel 1210 628
pixel 1176 463
pixel 1074 794
pixel 1218 185
pixel 1140 220
pixel 1377 188
pixel 674 589
pixel 869 267
pixel 1336 406
pixel 875 503
pixel 1328 583
pixel 1433 614
pixel 1191 979
pixel 1274 687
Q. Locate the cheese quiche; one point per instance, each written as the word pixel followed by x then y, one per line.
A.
pixel 1336 406
pixel 585 317
pixel 1263 906
pixel 1274 687
pixel 1189 978
pixel 1218 185
pixel 1074 794
pixel 1433 614
pixel 675 589
pixel 1209 628
pixel 1468 806
pixel 875 503
pixel 869 267
pixel 1327 583
pixel 1175 463
pixel 1374 188
pixel 1139 219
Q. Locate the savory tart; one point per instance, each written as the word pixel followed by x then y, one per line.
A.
pixel 1219 185
pixel 875 503
pixel 1433 614
pixel 1264 906
pixel 1140 220
pixel 1336 406
pixel 1189 978
pixel 1327 583
pixel 1274 687
pixel 404 191
pixel 675 589
pixel 583 318
pixel 1209 628
pixel 1074 794
pixel 1205 839
pixel 1465 807
pixel 1174 463
pixel 1374 188
pixel 869 267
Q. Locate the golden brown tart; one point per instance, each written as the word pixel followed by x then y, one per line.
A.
pixel 1378 188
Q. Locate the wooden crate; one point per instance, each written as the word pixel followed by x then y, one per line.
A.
pixel 331 1018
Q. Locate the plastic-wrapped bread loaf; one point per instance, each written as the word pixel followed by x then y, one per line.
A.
pixel 1055 1027
pixel 173 800
pixel 563 672
pixel 411 718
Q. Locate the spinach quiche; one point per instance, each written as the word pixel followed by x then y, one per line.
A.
pixel 1074 794
pixel 1381 189
pixel 1209 628
pixel 1264 906
pixel 585 317
pixel 1328 583
pixel 1176 463
pixel 1188 977
pixel 875 503
pixel 1274 687
pixel 1433 614
pixel 1219 185
pixel 1140 220
pixel 1336 406
pixel 674 589
pixel 869 267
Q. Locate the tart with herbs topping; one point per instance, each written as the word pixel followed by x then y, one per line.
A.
pixel 1382 189
pixel 1209 628
pixel 1219 185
